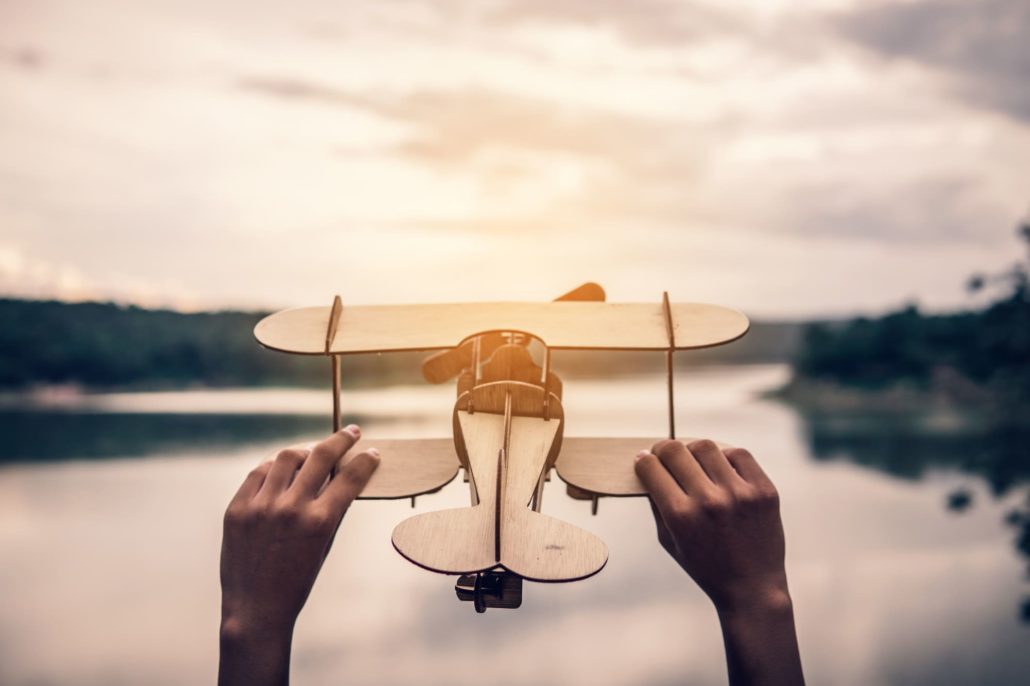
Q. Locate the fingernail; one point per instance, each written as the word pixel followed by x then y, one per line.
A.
pixel 642 454
pixel 353 429
pixel 374 452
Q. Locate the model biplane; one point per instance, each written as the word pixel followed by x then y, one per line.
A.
pixel 508 422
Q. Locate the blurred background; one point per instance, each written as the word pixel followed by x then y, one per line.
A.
pixel 850 173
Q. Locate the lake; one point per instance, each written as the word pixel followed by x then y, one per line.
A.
pixel 901 563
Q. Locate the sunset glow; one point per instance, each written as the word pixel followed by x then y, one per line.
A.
pixel 790 159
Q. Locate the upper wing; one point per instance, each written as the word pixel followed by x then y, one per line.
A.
pixel 561 325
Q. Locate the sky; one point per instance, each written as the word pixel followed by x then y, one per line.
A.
pixel 791 159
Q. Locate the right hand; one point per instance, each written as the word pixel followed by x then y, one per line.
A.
pixel 718 516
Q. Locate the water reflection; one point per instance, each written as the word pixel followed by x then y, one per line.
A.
pixel 55 426
pixel 34 436
pixel 904 447
pixel 110 565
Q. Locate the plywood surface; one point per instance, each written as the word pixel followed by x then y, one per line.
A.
pixel 527 400
pixel 409 467
pixel 460 540
pixel 697 325
pixel 532 545
pixel 562 325
pixel 447 364
pixel 605 466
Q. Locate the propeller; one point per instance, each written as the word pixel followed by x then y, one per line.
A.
pixel 447 364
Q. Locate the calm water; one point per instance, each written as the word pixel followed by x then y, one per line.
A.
pixel 110 510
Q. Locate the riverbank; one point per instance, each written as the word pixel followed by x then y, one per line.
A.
pixel 948 400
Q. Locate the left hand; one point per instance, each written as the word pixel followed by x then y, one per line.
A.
pixel 278 530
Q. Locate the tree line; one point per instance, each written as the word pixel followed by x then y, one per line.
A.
pixel 989 347
pixel 105 345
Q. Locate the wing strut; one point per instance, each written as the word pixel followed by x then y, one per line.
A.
pixel 334 360
pixel 667 311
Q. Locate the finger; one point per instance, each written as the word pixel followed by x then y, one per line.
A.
pixel 323 459
pixel 662 487
pixel 664 536
pixel 748 468
pixel 683 466
pixel 348 482
pixel 714 462
pixel 282 471
pixel 252 484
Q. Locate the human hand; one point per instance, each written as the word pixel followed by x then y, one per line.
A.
pixel 277 532
pixel 718 516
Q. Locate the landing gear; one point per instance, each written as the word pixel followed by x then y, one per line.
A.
pixel 490 589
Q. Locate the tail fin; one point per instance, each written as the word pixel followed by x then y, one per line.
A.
pixel 533 545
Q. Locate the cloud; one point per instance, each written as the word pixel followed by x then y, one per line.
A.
pixel 590 171
pixel 24 276
pixel 298 89
pixel 585 162
pixel 949 208
pixel 456 125
pixel 661 23
pixel 24 57
pixel 982 44
pixel 607 140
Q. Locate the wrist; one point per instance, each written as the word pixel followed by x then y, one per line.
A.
pixel 767 599
pixel 239 629
pixel 760 637
pixel 253 654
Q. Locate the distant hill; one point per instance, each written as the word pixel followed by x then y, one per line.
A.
pixel 103 345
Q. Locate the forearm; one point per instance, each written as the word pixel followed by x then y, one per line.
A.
pixel 253 657
pixel 761 641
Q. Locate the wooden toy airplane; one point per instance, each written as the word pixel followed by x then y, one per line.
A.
pixel 508 423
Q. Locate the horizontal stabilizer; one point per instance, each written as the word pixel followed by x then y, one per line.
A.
pixel 534 546
pixel 457 541
pixel 542 548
